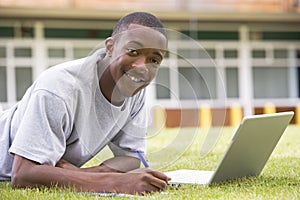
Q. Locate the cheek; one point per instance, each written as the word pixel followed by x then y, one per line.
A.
pixel 117 64
pixel 122 60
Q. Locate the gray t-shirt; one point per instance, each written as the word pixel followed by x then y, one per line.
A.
pixel 64 115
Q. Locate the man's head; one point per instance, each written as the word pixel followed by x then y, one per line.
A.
pixel 134 53
pixel 140 18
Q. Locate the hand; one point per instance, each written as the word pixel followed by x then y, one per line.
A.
pixel 141 181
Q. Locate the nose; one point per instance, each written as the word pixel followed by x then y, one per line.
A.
pixel 140 64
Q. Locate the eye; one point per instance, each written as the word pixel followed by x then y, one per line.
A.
pixel 132 52
pixel 155 61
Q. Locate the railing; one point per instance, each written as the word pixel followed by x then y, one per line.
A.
pixel 41 54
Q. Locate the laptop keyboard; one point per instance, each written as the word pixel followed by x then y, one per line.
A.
pixel 189 176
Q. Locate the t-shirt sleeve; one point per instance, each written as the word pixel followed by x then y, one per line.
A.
pixel 132 136
pixel 41 136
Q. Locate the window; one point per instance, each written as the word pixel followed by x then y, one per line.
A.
pixel 280 53
pixel 232 83
pixel 76 33
pixel 270 82
pixel 56 53
pixel 197 83
pixel 3 85
pixel 23 80
pixel 21 52
pixel 280 35
pixel 2 52
pixel 25 32
pixel 211 53
pixel 21 32
pixel 258 53
pixel 230 53
pixel 162 83
pixel 6 32
pixel 212 35
pixel 194 53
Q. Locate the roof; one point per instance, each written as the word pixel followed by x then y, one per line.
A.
pixel 95 14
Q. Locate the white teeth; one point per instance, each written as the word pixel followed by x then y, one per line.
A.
pixel 133 78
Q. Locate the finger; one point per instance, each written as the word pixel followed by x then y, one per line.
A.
pixel 154 181
pixel 151 188
pixel 158 183
pixel 148 185
pixel 160 175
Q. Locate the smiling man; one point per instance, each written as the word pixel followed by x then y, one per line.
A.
pixel 134 58
pixel 75 109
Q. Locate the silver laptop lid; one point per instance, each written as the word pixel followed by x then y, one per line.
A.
pixel 251 146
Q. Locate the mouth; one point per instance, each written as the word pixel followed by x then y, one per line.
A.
pixel 135 78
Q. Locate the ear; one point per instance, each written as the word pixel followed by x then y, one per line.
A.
pixel 109 44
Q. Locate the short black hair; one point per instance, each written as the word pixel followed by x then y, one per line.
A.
pixel 140 18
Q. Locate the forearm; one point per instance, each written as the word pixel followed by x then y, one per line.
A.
pixel 116 164
pixel 99 169
pixel 122 164
pixel 26 173
pixel 34 175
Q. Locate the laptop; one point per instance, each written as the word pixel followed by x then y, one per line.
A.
pixel 247 153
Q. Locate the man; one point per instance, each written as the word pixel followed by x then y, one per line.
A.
pixel 73 110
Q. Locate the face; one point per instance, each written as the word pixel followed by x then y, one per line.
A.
pixel 135 57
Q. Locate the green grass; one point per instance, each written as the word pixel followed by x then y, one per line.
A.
pixel 280 178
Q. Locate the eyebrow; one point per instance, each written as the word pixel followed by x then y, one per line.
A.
pixel 136 42
pixel 158 54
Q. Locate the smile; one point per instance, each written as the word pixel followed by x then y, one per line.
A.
pixel 135 79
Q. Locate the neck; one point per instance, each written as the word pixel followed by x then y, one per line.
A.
pixel 107 83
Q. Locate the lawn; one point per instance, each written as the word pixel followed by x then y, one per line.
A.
pixel 280 178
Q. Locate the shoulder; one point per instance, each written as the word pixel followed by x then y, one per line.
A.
pixel 71 70
pixel 70 77
pixel 64 72
pixel 42 99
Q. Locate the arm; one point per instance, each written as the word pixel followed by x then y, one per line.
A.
pixel 26 173
pixel 116 164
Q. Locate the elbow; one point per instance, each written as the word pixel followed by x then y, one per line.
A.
pixel 15 183
pixel 18 180
pixel 21 173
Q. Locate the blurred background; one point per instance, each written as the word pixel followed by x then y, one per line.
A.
pixel 254 45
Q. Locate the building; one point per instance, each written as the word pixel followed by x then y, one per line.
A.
pixel 222 53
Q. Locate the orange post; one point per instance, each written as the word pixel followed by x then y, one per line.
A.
pixel 269 108
pixel 205 116
pixel 236 114
pixel 159 117
pixel 297 114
